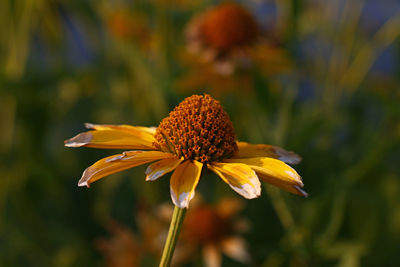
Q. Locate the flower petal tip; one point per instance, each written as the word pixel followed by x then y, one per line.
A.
pixel 85 179
pixel 83 183
pixel 80 140
pixel 301 191
pixel 89 125
pixel 254 188
pixel 240 177
pixel 69 143
pixel 288 156
pixel 249 191
pixel 154 176
pixel 183 200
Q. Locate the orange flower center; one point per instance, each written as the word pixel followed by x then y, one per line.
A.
pixel 227 26
pixel 198 129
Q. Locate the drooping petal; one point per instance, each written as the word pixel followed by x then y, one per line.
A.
pixel 235 247
pixel 117 163
pixel 184 181
pixel 239 177
pixel 159 168
pixel 275 172
pixel 114 137
pixel 247 150
pixel 212 256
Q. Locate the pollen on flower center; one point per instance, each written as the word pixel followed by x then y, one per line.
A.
pixel 199 129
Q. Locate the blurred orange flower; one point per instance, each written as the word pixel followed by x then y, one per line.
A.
pixel 122 249
pixel 228 36
pixel 224 44
pixel 222 34
pixel 128 26
pixel 215 229
pixel 126 248
pixel 197 133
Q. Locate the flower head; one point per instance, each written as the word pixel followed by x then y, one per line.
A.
pixel 216 229
pixel 223 28
pixel 197 129
pixel 224 43
pixel 222 34
pixel 228 26
pixel 197 133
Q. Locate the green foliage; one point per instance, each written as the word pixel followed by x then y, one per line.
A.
pixel 62 64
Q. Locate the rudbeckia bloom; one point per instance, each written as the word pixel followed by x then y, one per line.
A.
pixel 197 134
pixel 221 34
pixel 215 230
pixel 224 45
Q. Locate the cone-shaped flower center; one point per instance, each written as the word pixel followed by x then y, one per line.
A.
pixel 227 26
pixel 198 128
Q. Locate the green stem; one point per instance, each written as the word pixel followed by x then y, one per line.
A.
pixel 173 233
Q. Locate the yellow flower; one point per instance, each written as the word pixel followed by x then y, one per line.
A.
pixel 197 134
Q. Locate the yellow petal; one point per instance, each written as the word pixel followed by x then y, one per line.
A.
pixel 117 163
pixel 114 137
pixel 247 150
pixel 184 181
pixel 123 127
pixel 159 168
pixel 239 177
pixel 129 156
pixel 275 172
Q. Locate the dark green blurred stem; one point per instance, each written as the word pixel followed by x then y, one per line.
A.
pixel 364 166
pixel 289 12
pixel 280 207
pixel 173 234
pixel 344 36
pixel 164 21
pixel 278 202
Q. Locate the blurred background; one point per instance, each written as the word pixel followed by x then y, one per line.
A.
pixel 321 78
